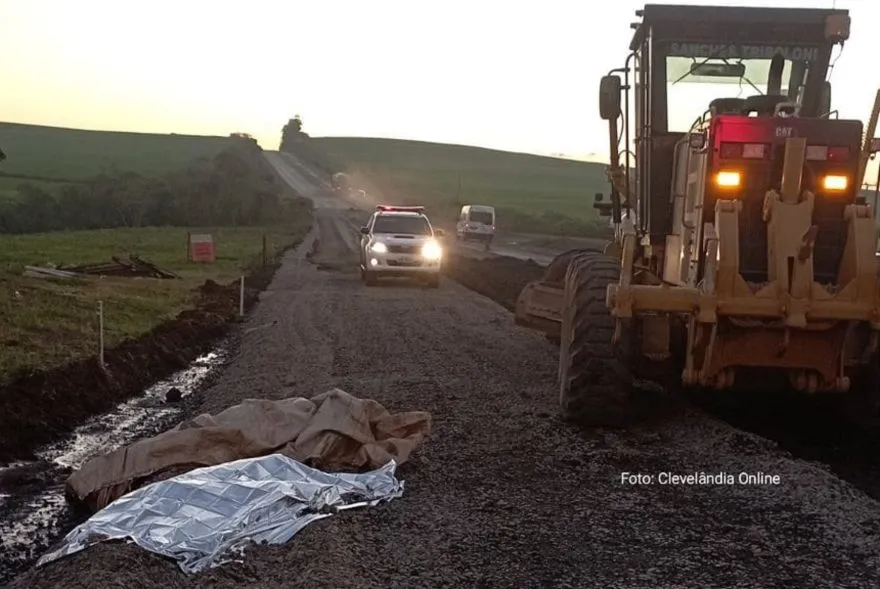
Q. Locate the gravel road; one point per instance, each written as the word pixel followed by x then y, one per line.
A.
pixel 538 248
pixel 502 494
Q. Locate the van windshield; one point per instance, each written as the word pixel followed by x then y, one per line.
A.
pixel 483 217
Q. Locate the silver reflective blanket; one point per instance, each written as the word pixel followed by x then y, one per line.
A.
pixel 207 516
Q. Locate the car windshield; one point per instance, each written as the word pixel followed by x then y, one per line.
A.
pixel 689 93
pixel 400 224
pixel 483 217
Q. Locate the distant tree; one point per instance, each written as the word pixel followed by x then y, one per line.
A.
pixel 244 137
pixel 291 134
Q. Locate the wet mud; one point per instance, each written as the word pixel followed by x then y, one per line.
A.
pixel 59 400
pixel 80 411
pixel 33 510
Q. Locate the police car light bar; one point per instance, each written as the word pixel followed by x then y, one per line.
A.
pixel 400 209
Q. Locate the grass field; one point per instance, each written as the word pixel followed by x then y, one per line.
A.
pixel 50 322
pixel 446 176
pixel 72 154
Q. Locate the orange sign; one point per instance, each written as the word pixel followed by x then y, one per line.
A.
pixel 201 248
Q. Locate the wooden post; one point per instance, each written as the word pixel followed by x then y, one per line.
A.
pixel 101 333
pixel 241 299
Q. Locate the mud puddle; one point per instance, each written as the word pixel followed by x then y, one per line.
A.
pixel 33 510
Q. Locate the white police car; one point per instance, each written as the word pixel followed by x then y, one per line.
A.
pixel 400 241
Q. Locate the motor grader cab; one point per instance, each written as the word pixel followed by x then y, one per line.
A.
pixel 741 249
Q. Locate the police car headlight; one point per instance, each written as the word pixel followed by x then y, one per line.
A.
pixel 432 251
pixel 379 248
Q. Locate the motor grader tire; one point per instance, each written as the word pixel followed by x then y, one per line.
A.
pixel 555 272
pixel 564 343
pixel 595 383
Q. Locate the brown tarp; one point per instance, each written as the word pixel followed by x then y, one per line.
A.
pixel 331 431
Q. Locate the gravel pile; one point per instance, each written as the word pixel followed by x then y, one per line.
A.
pixel 503 494
pixel 499 278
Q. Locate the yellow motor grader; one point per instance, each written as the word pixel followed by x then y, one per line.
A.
pixel 743 253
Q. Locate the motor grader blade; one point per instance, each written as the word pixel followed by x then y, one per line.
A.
pixel 539 304
pixel 539 307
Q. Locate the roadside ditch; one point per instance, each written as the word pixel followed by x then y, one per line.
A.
pixel 54 421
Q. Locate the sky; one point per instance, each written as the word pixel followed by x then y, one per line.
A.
pixel 520 76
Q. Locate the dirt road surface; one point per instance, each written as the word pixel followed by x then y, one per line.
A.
pixel 303 181
pixel 502 494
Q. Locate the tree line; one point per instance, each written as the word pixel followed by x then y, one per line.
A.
pixel 294 140
pixel 237 187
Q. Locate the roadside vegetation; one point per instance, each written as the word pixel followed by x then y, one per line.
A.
pixel 67 215
pixel 53 322
pixel 532 194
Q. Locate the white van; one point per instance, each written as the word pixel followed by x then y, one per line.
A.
pixel 476 222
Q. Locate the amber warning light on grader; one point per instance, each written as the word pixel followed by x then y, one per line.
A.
pixel 727 179
pixel 835 183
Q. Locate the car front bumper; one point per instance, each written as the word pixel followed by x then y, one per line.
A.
pixel 401 265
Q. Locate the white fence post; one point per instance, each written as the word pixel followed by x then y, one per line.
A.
pixel 101 332
pixel 241 299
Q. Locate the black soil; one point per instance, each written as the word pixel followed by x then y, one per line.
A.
pixel 498 278
pixel 38 408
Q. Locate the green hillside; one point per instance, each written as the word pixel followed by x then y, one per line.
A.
pixel 445 176
pixel 55 153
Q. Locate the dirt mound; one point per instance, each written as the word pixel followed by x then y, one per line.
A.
pixel 211 288
pixel 38 408
pixel 499 278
